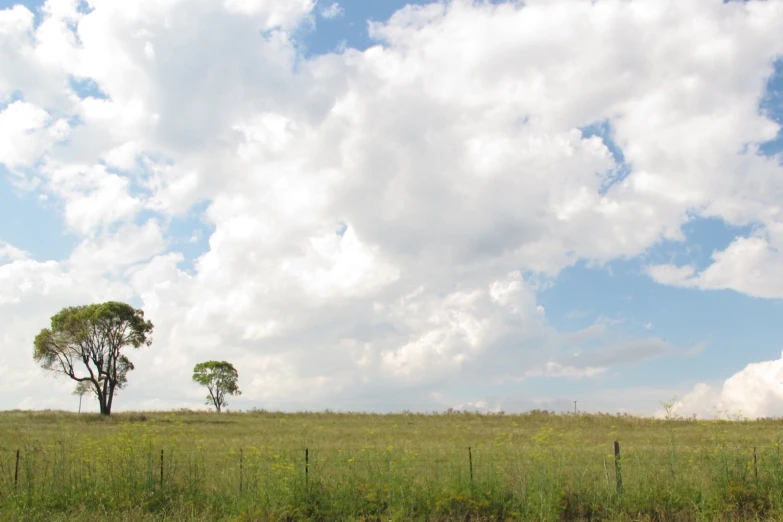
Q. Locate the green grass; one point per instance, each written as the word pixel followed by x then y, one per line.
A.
pixel 251 466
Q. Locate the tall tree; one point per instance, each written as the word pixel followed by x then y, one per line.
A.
pixel 220 378
pixel 86 343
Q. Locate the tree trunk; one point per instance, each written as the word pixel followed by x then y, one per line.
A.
pixel 110 398
pixel 105 403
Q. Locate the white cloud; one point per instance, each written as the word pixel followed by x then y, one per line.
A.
pixel 26 132
pixel 272 13
pixel 22 67
pixel 340 265
pixel 335 10
pixel 556 369
pixel 747 265
pixel 754 392
pixel 128 245
pixel 477 406
pixel 452 153
pixel 10 253
pixel 94 197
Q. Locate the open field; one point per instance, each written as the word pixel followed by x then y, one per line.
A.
pixel 253 466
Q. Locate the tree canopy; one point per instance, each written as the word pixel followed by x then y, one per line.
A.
pixel 220 378
pixel 86 344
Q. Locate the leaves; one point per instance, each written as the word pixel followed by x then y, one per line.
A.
pixel 85 343
pixel 83 388
pixel 220 378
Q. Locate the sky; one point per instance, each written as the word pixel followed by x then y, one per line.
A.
pixel 387 206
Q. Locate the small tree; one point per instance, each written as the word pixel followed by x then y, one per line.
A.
pixel 86 343
pixel 220 378
pixel 82 388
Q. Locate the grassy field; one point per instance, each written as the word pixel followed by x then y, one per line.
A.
pixel 335 466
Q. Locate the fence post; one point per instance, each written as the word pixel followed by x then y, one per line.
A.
pixel 617 473
pixel 755 466
pixel 241 455
pixel 161 468
pixel 16 471
pixel 470 461
pixel 307 464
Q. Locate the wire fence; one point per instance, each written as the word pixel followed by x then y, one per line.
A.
pixel 43 470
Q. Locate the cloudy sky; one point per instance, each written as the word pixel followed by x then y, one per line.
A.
pixel 391 205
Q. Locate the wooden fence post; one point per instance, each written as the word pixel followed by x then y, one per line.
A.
pixel 617 472
pixel 16 471
pixel 755 466
pixel 470 461
pixel 307 464
pixel 161 468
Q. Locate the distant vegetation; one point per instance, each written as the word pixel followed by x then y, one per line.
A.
pixel 333 466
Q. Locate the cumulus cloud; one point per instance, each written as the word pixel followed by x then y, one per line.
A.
pixel 375 214
pixel 94 198
pixel 477 407
pixel 26 132
pixel 10 253
pixel 747 265
pixel 754 392
pixel 128 245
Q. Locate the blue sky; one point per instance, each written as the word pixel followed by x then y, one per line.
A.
pixel 710 334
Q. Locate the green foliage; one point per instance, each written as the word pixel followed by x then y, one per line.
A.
pixel 220 378
pixel 85 343
pixel 83 388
